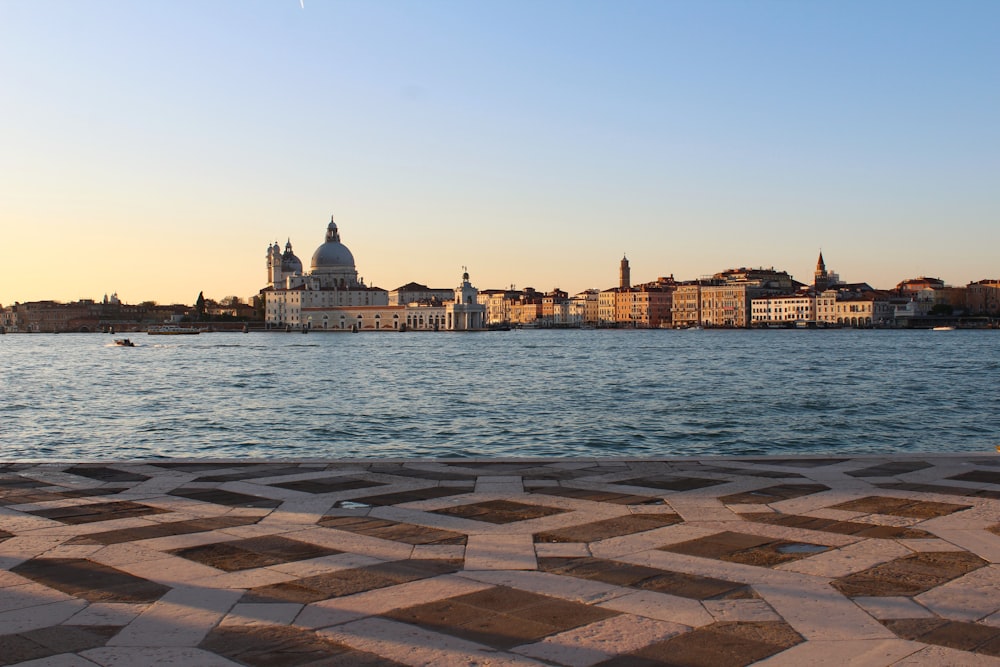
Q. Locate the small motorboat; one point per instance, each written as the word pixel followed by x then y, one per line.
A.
pixel 124 342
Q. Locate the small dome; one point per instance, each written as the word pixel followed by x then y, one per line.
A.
pixel 289 262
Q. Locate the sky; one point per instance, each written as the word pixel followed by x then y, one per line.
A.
pixel 156 148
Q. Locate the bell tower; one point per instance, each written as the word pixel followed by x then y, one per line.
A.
pixel 624 274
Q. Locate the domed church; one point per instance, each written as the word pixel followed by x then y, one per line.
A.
pixel 332 297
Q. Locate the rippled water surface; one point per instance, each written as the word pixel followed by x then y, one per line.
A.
pixel 518 393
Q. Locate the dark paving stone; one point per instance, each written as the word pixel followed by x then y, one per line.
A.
pixel 106 474
pixel 747 549
pixel 773 494
pixel 348 582
pixel 668 483
pixel 716 645
pixel 646 578
pixel 606 528
pixel 198 466
pixel 253 552
pixel 752 472
pixel 17 648
pixel 399 470
pixel 91 581
pixel 4 535
pixel 51 494
pixel 392 530
pixel 910 575
pixel 798 463
pixel 18 482
pixel 595 496
pixel 501 617
pixel 840 527
pixel 93 513
pixel 961 635
pixel 285 646
pixel 942 489
pixel 401 497
pixel 890 469
pixel 499 511
pixel 227 498
pixel 258 472
pixel 328 484
pixel 72 638
pixel 987 476
pixel 914 509
pixel 165 529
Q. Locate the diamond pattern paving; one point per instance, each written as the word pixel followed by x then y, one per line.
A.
pixel 716 562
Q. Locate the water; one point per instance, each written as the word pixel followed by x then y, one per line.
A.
pixel 499 394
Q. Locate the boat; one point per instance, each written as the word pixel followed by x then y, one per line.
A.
pixel 943 329
pixel 172 330
pixel 124 342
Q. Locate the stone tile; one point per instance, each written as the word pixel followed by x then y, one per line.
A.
pixel 910 575
pixel 95 512
pixel 253 615
pixel 857 529
pixel 163 529
pixel 601 640
pixel 971 597
pixel 773 494
pixel 227 498
pixel 718 644
pixel 985 476
pixel 741 610
pixel 342 583
pixel 645 578
pixel 747 549
pixel 182 617
pixel 253 552
pixel 849 559
pixel 39 616
pixel 392 530
pixel 605 528
pixel 499 511
pixel 264 646
pixel 501 617
pixel 935 656
pixel 885 608
pixel 401 497
pixel 672 483
pixel 890 468
pixel 960 635
pixel 106 473
pixel 131 656
pixel 942 489
pixel 916 509
pixel 107 613
pixel 858 653
pixel 500 552
pixel 613 497
pixel 90 581
pixel 660 606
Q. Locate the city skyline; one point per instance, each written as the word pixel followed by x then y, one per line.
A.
pixel 156 149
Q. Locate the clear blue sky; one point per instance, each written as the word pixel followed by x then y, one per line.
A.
pixel 156 147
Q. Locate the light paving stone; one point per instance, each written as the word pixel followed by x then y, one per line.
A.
pixel 72 551
pixel 661 606
pixel 263 576
pixel 743 611
pixel 930 544
pixel 590 644
pixel 21 548
pixel 614 547
pixel 561 550
pixel 424 551
pixel 8 578
pixel 107 613
pixel 61 660
pixel 971 597
pixel 352 607
pixel 940 656
pixel 253 614
pixel 984 544
pixel 301 569
pixel 182 617
pixel 847 560
pixel 29 594
pixel 778 532
pixel 117 656
pixel 500 484
pixel 817 611
pixel 500 552
pixel 861 653
pixel 693 513
pixel 418 647
pixel 114 555
pixel 38 616
pixel 885 608
pixel 170 570
pixel 343 540
pixel 553 585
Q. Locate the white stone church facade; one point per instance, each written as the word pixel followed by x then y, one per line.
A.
pixel 330 297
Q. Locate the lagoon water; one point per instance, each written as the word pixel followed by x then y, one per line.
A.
pixel 499 394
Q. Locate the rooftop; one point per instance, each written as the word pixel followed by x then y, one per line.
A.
pixel 572 562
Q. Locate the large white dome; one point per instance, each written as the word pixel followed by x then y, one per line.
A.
pixel 332 255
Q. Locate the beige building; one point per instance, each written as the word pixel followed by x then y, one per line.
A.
pixel 983 297
pixel 783 309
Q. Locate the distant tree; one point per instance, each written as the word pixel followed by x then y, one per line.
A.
pixel 148 304
pixel 231 301
pixel 199 306
pixel 942 309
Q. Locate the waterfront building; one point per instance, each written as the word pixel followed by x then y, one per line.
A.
pixel 725 300
pixel 331 296
pixel 983 297
pixel 586 305
pixel 783 309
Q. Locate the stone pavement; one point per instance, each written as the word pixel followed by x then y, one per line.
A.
pixel 573 562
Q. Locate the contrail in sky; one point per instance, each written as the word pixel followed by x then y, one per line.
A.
pixel 302 4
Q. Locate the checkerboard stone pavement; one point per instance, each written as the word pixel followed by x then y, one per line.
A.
pixel 572 562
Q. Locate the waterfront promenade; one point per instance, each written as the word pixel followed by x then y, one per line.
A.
pixel 573 562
